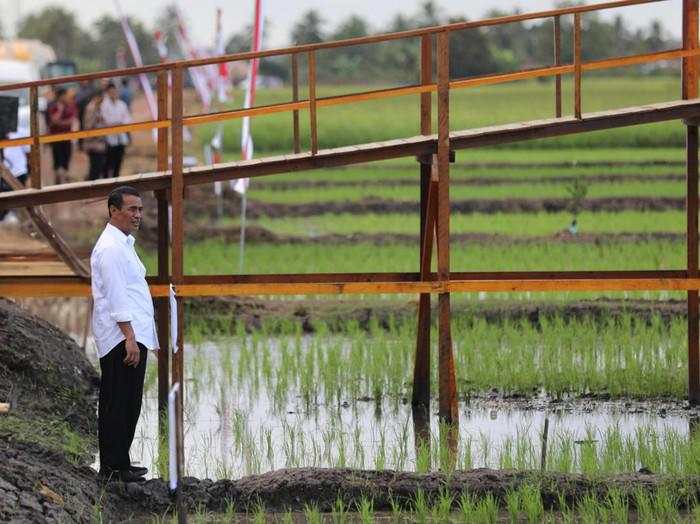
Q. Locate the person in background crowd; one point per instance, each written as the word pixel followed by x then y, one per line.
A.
pixel 115 113
pixel 95 147
pixel 16 161
pixel 82 98
pixel 61 114
pixel 125 93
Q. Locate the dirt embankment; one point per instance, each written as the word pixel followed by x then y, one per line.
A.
pixel 337 315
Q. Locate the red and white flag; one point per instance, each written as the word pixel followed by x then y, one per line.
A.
pixel 247 146
pixel 138 62
pixel 197 74
pixel 222 85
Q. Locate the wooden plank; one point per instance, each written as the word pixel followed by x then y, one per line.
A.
pixel 443 156
pixel 87 133
pixel 557 62
pixel 577 66
pixel 240 113
pixel 415 146
pixel 58 286
pixel 162 303
pixel 312 102
pixel 177 266
pixel 690 43
pixel 690 90
pixel 446 372
pixel 43 224
pixel 421 368
pixel 35 151
pixel 295 98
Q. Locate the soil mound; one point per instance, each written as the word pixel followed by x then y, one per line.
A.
pixel 49 435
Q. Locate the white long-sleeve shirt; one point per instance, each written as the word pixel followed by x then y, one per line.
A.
pixel 120 292
pixel 115 113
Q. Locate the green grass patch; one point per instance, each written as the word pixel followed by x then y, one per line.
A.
pixel 461 192
pixel 516 224
pixel 54 435
pixel 470 108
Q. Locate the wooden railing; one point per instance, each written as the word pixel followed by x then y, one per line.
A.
pixel 312 103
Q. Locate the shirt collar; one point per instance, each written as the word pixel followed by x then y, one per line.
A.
pixel 118 235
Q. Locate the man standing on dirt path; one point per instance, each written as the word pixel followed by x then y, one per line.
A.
pixel 124 329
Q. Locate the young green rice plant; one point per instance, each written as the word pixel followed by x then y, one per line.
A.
pixel 617 506
pixel 442 508
pixel 589 509
pixel 565 510
pixel 420 506
pixel 396 509
pixel 423 457
pixel 531 502
pixel 339 513
pixel 312 514
pixel 665 505
pixel 288 517
pixel 512 500
pixel 467 507
pixel 643 504
pixel 486 510
pixel 365 509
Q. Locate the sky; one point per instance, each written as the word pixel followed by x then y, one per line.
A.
pixel 283 13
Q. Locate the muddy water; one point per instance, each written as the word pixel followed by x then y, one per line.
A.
pixel 232 430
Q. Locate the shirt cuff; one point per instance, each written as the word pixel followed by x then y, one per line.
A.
pixel 121 316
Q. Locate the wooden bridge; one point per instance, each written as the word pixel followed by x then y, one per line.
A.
pixel 433 151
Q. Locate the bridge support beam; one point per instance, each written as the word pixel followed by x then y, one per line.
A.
pixel 690 90
pixel 421 370
pixel 448 387
pixel 162 303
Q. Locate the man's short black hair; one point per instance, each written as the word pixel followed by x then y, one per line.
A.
pixel 116 197
pixel 110 85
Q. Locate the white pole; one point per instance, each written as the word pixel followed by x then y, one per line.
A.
pixel 244 199
pixel 172 459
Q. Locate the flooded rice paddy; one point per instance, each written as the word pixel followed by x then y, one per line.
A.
pixel 243 416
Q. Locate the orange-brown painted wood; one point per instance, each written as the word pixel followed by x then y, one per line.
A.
pixel 35 151
pixel 295 98
pixel 313 116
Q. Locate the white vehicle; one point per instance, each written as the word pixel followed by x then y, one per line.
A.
pixel 14 72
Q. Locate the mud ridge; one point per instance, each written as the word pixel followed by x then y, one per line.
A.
pixel 293 489
pixel 457 180
pixel 261 235
pixel 338 315
pixel 257 209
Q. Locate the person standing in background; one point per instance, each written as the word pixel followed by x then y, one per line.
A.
pixel 61 114
pixel 96 146
pixel 115 113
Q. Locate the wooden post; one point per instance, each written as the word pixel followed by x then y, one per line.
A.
pixel 312 102
pixel 448 387
pixel 421 370
pixel 177 268
pixel 35 151
pixel 577 65
pixel 557 62
pixel 690 90
pixel 295 98
pixel 163 304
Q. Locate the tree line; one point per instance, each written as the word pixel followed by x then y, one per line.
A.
pixel 472 52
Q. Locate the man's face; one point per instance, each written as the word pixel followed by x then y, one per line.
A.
pixel 128 218
pixel 113 93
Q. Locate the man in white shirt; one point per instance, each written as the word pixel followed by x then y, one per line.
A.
pixel 15 159
pixel 124 330
pixel 115 113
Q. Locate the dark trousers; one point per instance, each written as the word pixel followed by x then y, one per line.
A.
pixel 97 165
pixel 61 154
pixel 114 160
pixel 121 389
pixel 4 186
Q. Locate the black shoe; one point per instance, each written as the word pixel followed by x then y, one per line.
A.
pixel 138 470
pixel 120 476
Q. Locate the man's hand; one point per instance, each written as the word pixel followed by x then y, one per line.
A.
pixel 133 353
